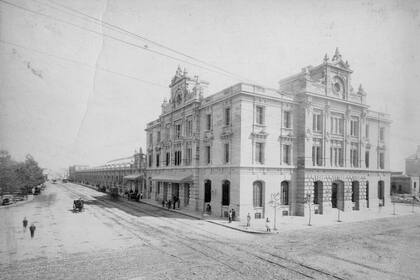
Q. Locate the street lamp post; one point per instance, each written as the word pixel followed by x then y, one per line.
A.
pixel 275 203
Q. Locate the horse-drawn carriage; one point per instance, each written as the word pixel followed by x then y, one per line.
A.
pixel 78 205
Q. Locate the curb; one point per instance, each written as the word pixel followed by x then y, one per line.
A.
pixel 209 221
pixel 195 217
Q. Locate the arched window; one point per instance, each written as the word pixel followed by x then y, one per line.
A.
pixel 226 193
pixel 258 194
pixel 285 193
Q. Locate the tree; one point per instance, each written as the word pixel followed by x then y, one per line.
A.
pixel 18 176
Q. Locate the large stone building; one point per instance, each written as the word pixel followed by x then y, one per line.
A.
pixel 124 173
pixel 312 140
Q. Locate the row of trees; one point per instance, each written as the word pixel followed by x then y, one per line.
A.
pixel 18 177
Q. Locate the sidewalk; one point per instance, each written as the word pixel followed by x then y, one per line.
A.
pixel 290 223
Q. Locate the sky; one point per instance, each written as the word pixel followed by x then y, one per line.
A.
pixel 73 91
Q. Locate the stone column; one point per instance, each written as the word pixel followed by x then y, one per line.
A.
pixel 326 197
pixel 348 204
pixel 362 195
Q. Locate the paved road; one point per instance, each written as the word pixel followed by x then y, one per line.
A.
pixel 130 240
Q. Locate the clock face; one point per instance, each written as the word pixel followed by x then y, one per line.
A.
pixel 338 86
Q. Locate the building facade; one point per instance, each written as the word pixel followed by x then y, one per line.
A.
pixel 126 174
pixel 248 148
pixel 408 183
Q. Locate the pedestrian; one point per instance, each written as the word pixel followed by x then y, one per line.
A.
pixel 169 204
pixel 267 224
pixel 163 203
pixel 141 195
pixel 233 214
pixel 25 223
pixel 208 209
pixel 248 220
pixel 32 228
pixel 230 215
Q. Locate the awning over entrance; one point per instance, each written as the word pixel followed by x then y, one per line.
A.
pixel 135 176
pixel 174 179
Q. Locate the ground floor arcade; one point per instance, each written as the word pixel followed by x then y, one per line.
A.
pixel 263 193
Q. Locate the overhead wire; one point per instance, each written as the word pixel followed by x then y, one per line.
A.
pixel 138 36
pixel 81 63
pixel 116 38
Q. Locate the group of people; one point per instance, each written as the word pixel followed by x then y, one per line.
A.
pixel 171 203
pixel 134 195
pixel 231 215
pixel 32 228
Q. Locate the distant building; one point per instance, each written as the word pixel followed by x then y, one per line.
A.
pixel 314 139
pixel 412 164
pixel 126 174
pixel 408 183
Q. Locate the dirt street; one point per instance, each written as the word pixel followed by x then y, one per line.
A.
pixel 130 240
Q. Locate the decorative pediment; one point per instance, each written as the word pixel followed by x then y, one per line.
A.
pixel 259 135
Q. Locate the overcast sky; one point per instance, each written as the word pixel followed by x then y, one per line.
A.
pixel 72 96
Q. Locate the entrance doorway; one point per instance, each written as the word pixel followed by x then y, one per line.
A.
pixel 207 191
pixel 381 193
pixel 318 196
pixel 337 195
pixel 355 189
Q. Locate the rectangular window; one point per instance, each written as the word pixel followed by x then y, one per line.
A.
pixel 178 131
pixel 188 158
pixel 317 122
pixel 382 133
pixel 367 159
pixel 151 138
pixel 168 158
pixel 316 155
pixel 354 156
pixel 287 120
pixel 260 115
pixel 381 160
pixel 287 154
pixel 367 131
pixel 158 137
pixel 167 133
pixel 227 116
pixel 188 128
pixel 227 158
pixel 150 160
pixel 259 153
pixel 337 124
pixel 354 127
pixel 157 160
pixel 208 121
pixel 178 158
pixel 208 154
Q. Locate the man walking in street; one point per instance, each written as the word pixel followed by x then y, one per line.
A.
pixel 32 228
pixel 230 215
pixel 25 223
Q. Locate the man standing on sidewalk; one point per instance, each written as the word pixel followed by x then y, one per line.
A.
pixel 230 215
pixel 248 220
